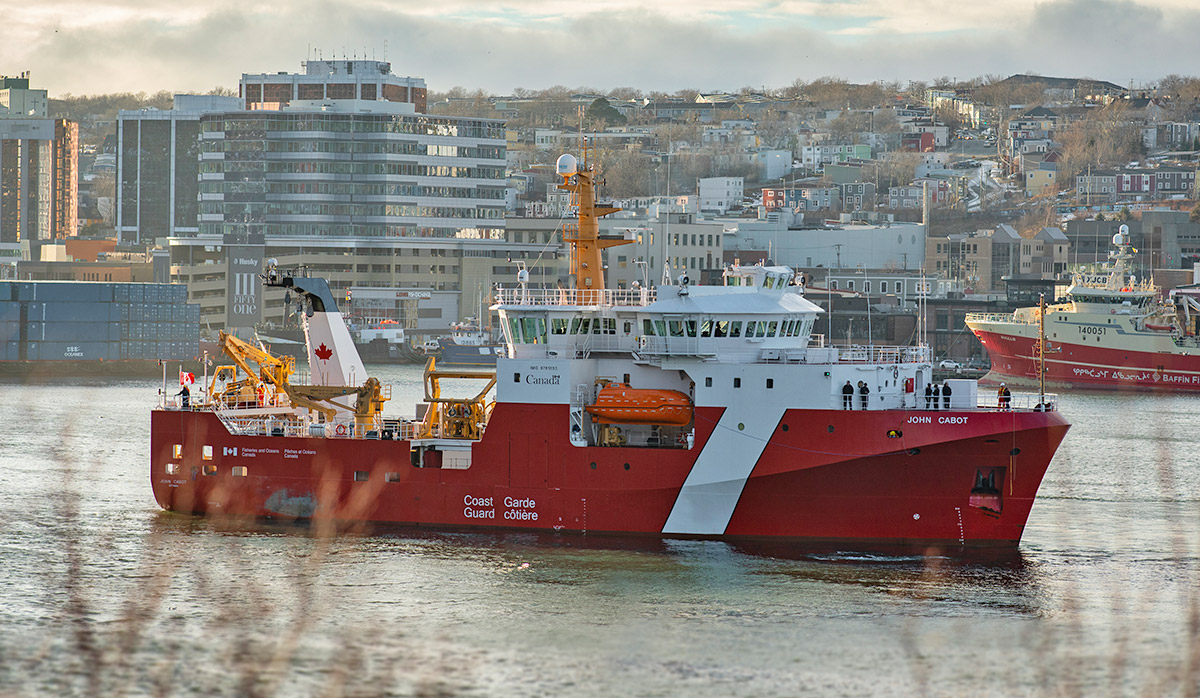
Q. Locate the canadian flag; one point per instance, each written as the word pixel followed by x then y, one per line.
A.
pixel 186 377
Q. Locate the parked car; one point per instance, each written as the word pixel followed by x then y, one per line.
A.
pixel 949 365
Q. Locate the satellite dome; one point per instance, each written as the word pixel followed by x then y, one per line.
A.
pixel 567 164
pixel 1122 236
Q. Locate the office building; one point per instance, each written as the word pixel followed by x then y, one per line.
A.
pixel 332 80
pixel 158 168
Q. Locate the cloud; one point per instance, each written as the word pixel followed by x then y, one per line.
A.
pixel 139 45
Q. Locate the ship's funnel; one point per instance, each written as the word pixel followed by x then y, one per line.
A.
pixel 332 356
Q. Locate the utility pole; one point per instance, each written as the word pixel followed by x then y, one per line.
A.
pixel 838 247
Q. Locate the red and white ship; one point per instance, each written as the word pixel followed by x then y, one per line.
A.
pixel 686 410
pixel 1112 332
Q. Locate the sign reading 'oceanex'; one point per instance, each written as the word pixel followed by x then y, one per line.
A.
pixel 243 289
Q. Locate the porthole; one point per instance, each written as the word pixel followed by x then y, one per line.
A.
pixel 830 427
pixel 741 426
pixel 785 427
pixel 627 466
pixel 593 465
pixel 1014 452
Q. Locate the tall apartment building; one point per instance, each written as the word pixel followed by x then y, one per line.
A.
pixel 39 167
pixel 332 80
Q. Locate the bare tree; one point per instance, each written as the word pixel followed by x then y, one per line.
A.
pixel 1107 138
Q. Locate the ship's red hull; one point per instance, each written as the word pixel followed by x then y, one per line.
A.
pixel 1089 366
pixel 823 475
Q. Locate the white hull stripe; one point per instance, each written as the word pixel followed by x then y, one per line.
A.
pixel 1110 367
pixel 713 487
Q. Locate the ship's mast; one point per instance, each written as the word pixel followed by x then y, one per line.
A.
pixel 587 264
pixel 1041 348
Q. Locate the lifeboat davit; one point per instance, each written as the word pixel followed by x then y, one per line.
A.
pixel 617 403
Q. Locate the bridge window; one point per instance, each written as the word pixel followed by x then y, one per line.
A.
pixel 706 328
pixel 676 327
pixel 558 325
pixel 750 329
pixel 772 328
pixel 533 330
pixel 690 325
pixel 735 328
pixel 721 328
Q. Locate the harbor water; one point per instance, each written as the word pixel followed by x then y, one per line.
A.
pixel 105 594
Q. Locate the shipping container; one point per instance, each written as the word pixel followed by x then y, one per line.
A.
pixel 75 332
pixel 72 351
pixel 10 311
pixel 56 311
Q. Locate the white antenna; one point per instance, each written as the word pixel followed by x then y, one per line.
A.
pixel 666 277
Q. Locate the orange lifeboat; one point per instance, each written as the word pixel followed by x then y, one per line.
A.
pixel 617 403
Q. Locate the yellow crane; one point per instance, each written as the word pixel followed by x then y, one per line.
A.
pixel 455 418
pixel 267 376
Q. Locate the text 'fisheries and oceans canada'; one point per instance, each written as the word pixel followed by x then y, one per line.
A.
pixel 515 509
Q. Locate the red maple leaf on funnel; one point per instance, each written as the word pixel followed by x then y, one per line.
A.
pixel 323 352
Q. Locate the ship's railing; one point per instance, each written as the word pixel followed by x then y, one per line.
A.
pixel 676 346
pixel 274 425
pixel 1023 402
pixel 990 317
pixel 575 296
pixel 873 354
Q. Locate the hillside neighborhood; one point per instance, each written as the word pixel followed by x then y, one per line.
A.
pixel 962 196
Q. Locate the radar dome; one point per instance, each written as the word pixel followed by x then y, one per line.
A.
pixel 1122 236
pixel 567 164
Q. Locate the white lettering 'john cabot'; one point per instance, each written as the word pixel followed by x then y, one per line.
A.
pixel 713 487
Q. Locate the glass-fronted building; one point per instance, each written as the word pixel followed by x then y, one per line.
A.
pixel 350 174
pixel 158 168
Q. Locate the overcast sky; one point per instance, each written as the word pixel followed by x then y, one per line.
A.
pixel 93 46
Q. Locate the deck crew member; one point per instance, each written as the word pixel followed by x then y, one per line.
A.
pixel 1003 397
pixel 937 395
pixel 946 392
pixel 864 394
pixel 185 398
pixel 847 396
pixel 928 394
